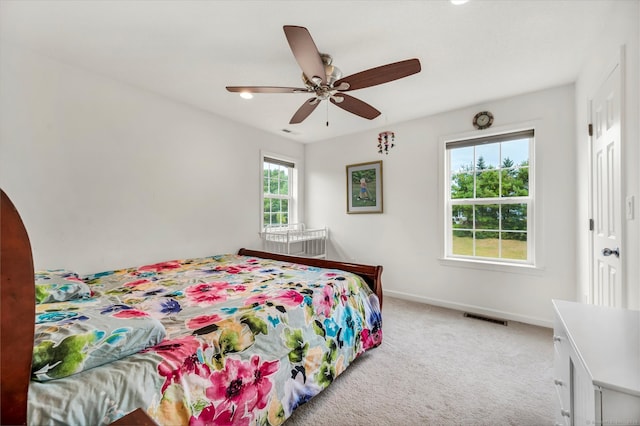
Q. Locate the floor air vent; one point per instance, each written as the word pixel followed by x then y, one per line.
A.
pixel 488 319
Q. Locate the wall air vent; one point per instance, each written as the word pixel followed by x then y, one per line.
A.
pixel 485 318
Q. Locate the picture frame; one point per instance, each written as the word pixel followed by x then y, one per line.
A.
pixel 364 187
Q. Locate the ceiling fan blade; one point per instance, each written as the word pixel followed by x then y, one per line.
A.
pixel 379 75
pixel 305 51
pixel 355 106
pixel 304 111
pixel 267 89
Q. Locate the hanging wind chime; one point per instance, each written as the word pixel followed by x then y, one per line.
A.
pixel 386 141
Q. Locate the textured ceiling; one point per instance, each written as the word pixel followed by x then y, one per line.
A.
pixel 190 50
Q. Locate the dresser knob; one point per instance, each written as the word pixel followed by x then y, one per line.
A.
pixel 565 413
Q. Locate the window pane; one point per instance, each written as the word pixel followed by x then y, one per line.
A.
pixel 523 176
pixel 517 152
pixel 462 217
pixel 275 212
pixel 284 182
pixel 487 216
pixel 276 179
pixel 488 156
pixel 515 182
pixel 462 185
pixel 488 184
pixel 461 159
pixel 487 244
pixel 269 180
pixel 462 243
pixel 514 245
pixel 514 217
pixel 509 183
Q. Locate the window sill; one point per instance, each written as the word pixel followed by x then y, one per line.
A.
pixel 491 266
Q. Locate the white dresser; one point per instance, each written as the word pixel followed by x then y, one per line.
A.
pixel 597 365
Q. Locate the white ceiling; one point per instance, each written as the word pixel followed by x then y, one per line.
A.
pixel 190 50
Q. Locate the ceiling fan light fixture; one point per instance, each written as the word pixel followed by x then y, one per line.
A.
pixel 332 73
pixel 246 95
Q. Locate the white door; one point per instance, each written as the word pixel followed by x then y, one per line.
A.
pixel 607 258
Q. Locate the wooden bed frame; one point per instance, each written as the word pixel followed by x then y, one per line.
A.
pixel 17 310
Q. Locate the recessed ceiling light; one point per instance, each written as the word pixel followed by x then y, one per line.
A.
pixel 246 95
pixel 458 2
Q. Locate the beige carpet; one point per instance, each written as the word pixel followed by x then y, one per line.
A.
pixel 436 367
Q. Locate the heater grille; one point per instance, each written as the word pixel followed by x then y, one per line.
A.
pixel 485 318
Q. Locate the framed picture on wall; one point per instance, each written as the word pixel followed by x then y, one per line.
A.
pixel 364 187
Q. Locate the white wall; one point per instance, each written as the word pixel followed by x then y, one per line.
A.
pixel 108 176
pixel 622 34
pixel 406 238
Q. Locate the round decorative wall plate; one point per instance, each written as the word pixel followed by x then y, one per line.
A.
pixel 482 120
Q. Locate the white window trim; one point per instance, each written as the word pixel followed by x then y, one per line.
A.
pixel 533 220
pixel 295 187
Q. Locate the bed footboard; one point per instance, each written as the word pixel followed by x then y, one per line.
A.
pixel 370 273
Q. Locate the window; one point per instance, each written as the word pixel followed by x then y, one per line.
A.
pixel 489 199
pixel 277 184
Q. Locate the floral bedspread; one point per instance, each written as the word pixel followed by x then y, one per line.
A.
pixel 248 340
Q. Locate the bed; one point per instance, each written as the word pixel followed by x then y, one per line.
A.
pixel 242 338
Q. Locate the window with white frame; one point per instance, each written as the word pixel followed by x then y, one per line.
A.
pixel 489 198
pixel 278 192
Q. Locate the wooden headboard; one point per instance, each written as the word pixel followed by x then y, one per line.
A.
pixel 17 304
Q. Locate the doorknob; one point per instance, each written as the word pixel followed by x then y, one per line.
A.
pixel 609 252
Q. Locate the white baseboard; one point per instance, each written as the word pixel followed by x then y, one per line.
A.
pixel 470 308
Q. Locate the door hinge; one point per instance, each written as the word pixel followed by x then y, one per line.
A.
pixel 590 129
pixel 590 224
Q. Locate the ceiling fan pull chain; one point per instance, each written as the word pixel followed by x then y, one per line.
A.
pixel 327 103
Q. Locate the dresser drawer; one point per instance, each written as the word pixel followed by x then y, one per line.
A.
pixel 562 368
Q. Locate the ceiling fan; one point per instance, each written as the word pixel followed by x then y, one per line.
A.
pixel 325 81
